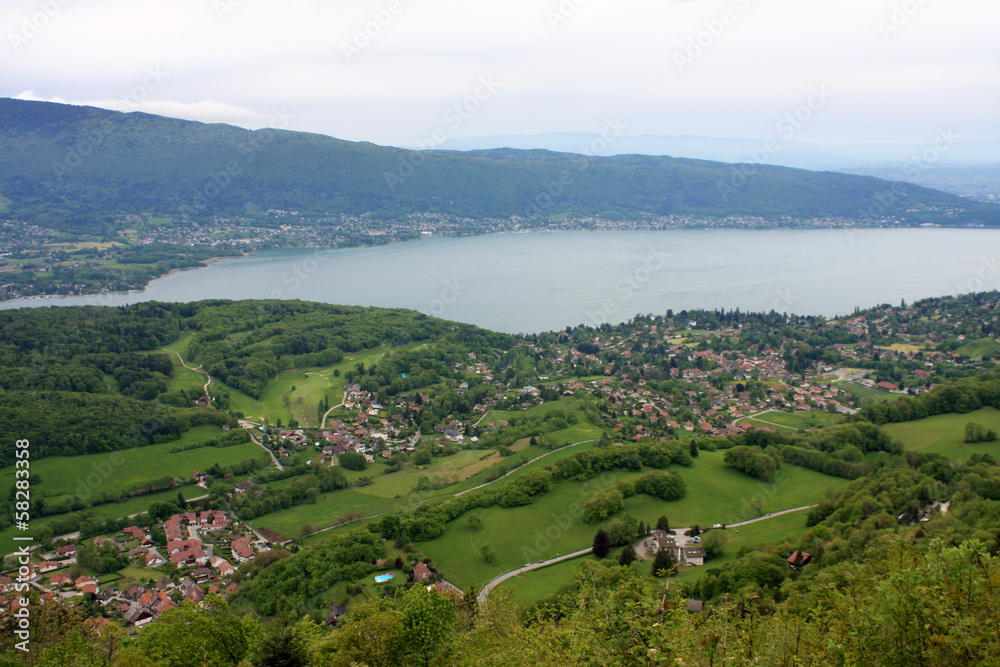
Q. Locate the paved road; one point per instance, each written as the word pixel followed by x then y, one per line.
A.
pixel 322 424
pixel 524 464
pixel 420 502
pixel 274 458
pixel 488 588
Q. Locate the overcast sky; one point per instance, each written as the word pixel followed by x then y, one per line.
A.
pixel 393 71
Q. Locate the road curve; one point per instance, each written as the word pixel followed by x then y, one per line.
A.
pixel 488 588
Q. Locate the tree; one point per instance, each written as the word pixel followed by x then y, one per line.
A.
pixel 180 501
pixel 694 449
pixel 306 529
pixel 663 563
pixel 428 622
pixel 693 531
pixel 641 531
pixel 663 524
pixel 627 556
pixel 213 633
pixel 714 543
pixel 602 544
pixel 353 461
pixel 475 521
pixel 282 647
pixel 488 554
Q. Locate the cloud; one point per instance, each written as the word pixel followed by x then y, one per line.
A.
pixel 206 111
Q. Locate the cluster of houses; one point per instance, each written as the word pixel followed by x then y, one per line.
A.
pixel 685 552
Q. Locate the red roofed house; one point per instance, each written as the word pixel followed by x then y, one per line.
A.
pixel 421 573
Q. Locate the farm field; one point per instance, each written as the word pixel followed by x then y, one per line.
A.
pixel 90 473
pixel 531 587
pixel 311 385
pixel 867 393
pixel 716 494
pixel 977 349
pixel 802 421
pixel 945 434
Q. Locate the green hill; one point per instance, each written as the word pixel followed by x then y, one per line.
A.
pixel 74 166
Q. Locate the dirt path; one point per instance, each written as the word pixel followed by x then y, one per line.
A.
pixel 192 368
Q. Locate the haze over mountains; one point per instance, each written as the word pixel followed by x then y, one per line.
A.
pixel 64 161
pixel 945 162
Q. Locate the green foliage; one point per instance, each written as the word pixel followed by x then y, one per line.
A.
pixel 753 461
pixel 149 163
pixel 602 544
pixel 352 461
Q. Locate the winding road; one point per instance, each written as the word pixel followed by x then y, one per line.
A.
pixel 488 588
pixel 208 377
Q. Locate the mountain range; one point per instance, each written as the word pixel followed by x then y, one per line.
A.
pixel 62 162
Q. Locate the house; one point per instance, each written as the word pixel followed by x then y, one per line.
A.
pixel 199 476
pixel 695 605
pixel 67 551
pixel 799 559
pixel 243 486
pixel 84 581
pixel 137 617
pixel 336 611
pixel 201 574
pixel 154 560
pixel 134 532
pixel 164 583
pixel 59 580
pixel 692 555
pixel 421 573
pixel 242 551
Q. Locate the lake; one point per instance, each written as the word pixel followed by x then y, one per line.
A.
pixel 530 283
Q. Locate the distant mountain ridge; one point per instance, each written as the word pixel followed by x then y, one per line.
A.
pixel 62 161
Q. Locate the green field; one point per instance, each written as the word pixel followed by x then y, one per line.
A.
pixel 533 586
pixel 867 394
pixel 945 434
pixel 190 381
pixel 977 349
pixel 530 587
pixel 311 385
pixel 801 421
pixel 85 475
pixel 716 494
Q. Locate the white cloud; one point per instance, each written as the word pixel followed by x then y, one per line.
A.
pixel 416 58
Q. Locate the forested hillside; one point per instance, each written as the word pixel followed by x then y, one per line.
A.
pixel 73 166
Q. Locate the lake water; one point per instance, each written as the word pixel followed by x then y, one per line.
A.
pixel 546 281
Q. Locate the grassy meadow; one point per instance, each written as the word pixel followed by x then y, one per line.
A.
pixel 945 434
